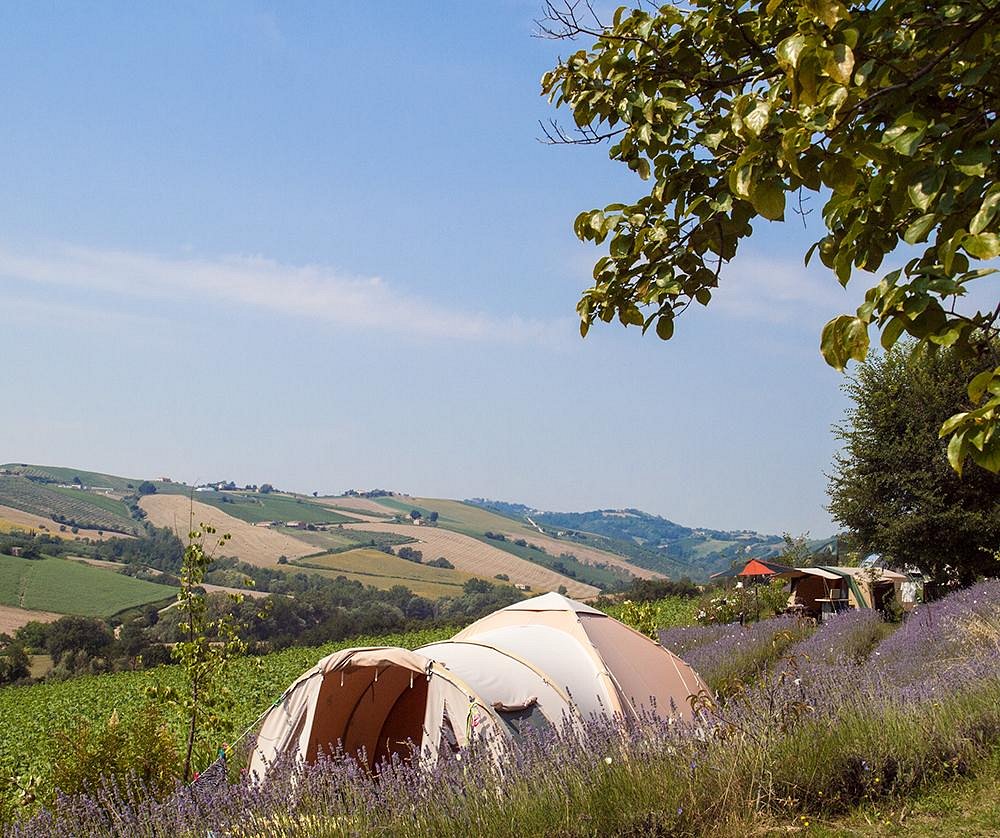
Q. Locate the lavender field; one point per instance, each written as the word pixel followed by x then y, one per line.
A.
pixel 807 723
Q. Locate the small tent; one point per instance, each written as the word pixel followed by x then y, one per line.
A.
pixel 539 664
pixel 374 703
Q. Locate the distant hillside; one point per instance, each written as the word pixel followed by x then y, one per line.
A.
pixel 649 541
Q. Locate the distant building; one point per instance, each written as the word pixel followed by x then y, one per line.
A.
pixel 205 489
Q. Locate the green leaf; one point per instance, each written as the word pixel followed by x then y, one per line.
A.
pixel 768 198
pixel 972 161
pixel 839 174
pixel 789 51
pixel 838 63
pixel 844 338
pixel 756 120
pixel 665 327
pixel 703 296
pixel 919 229
pixel 979 384
pixel 982 246
pixel 956 451
pixel 892 331
pixel 923 189
pixel 951 424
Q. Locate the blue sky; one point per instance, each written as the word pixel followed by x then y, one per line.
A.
pixel 320 245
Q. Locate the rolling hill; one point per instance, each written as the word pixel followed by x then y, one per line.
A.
pixel 361 536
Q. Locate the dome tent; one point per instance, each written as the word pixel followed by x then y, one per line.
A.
pixel 541 663
pixel 373 703
pixel 605 666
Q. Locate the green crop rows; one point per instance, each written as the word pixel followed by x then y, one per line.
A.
pixel 96 512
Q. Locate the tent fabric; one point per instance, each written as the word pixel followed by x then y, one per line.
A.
pixel 621 672
pixel 547 661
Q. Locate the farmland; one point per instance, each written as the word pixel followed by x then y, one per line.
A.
pixel 58 474
pixel 373 567
pixel 17 520
pixel 85 509
pixel 69 587
pixel 478 559
pixel 253 507
pixel 256 545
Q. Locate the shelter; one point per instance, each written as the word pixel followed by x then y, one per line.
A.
pixel 374 703
pixel 827 589
pixel 543 663
pixel 603 665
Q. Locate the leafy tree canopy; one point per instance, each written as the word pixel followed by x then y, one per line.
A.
pixel 732 110
pixel 892 488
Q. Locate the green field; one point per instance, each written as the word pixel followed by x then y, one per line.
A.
pixel 69 587
pixel 253 508
pixel 66 475
pixel 86 509
pixel 373 567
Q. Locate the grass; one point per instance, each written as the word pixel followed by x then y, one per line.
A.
pixel 68 587
pixel 373 567
pixel 253 508
pixel 967 806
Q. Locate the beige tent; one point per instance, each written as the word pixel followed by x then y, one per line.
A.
pixel 374 703
pixel 604 666
pixel 542 663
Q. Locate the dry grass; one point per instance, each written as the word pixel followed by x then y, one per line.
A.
pixel 256 545
pixel 12 618
pixel 12 520
pixel 482 560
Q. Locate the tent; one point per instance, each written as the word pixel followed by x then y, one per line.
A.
pixel 375 703
pixel 539 664
pixel 603 665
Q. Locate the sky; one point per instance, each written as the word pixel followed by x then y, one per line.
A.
pixel 321 245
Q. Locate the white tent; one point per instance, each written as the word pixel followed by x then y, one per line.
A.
pixel 605 666
pixel 542 663
pixel 374 703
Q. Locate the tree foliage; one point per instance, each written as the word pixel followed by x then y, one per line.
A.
pixel 892 488
pixel 732 110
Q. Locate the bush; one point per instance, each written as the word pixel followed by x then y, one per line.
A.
pixel 441 561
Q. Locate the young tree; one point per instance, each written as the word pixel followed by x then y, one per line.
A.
pixel 887 111
pixel 892 488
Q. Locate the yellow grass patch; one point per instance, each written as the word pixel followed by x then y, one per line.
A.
pixel 14 520
pixel 482 560
pixel 372 509
pixel 373 567
pixel 256 545
pixel 12 618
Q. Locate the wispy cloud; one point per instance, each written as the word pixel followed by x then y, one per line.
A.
pixel 313 292
pixel 778 290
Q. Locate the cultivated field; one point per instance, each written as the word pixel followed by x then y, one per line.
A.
pixel 256 545
pixel 12 520
pixel 587 555
pixel 12 618
pixel 254 507
pixel 482 560
pixel 87 509
pixel 65 586
pixel 373 567
pixel 366 505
